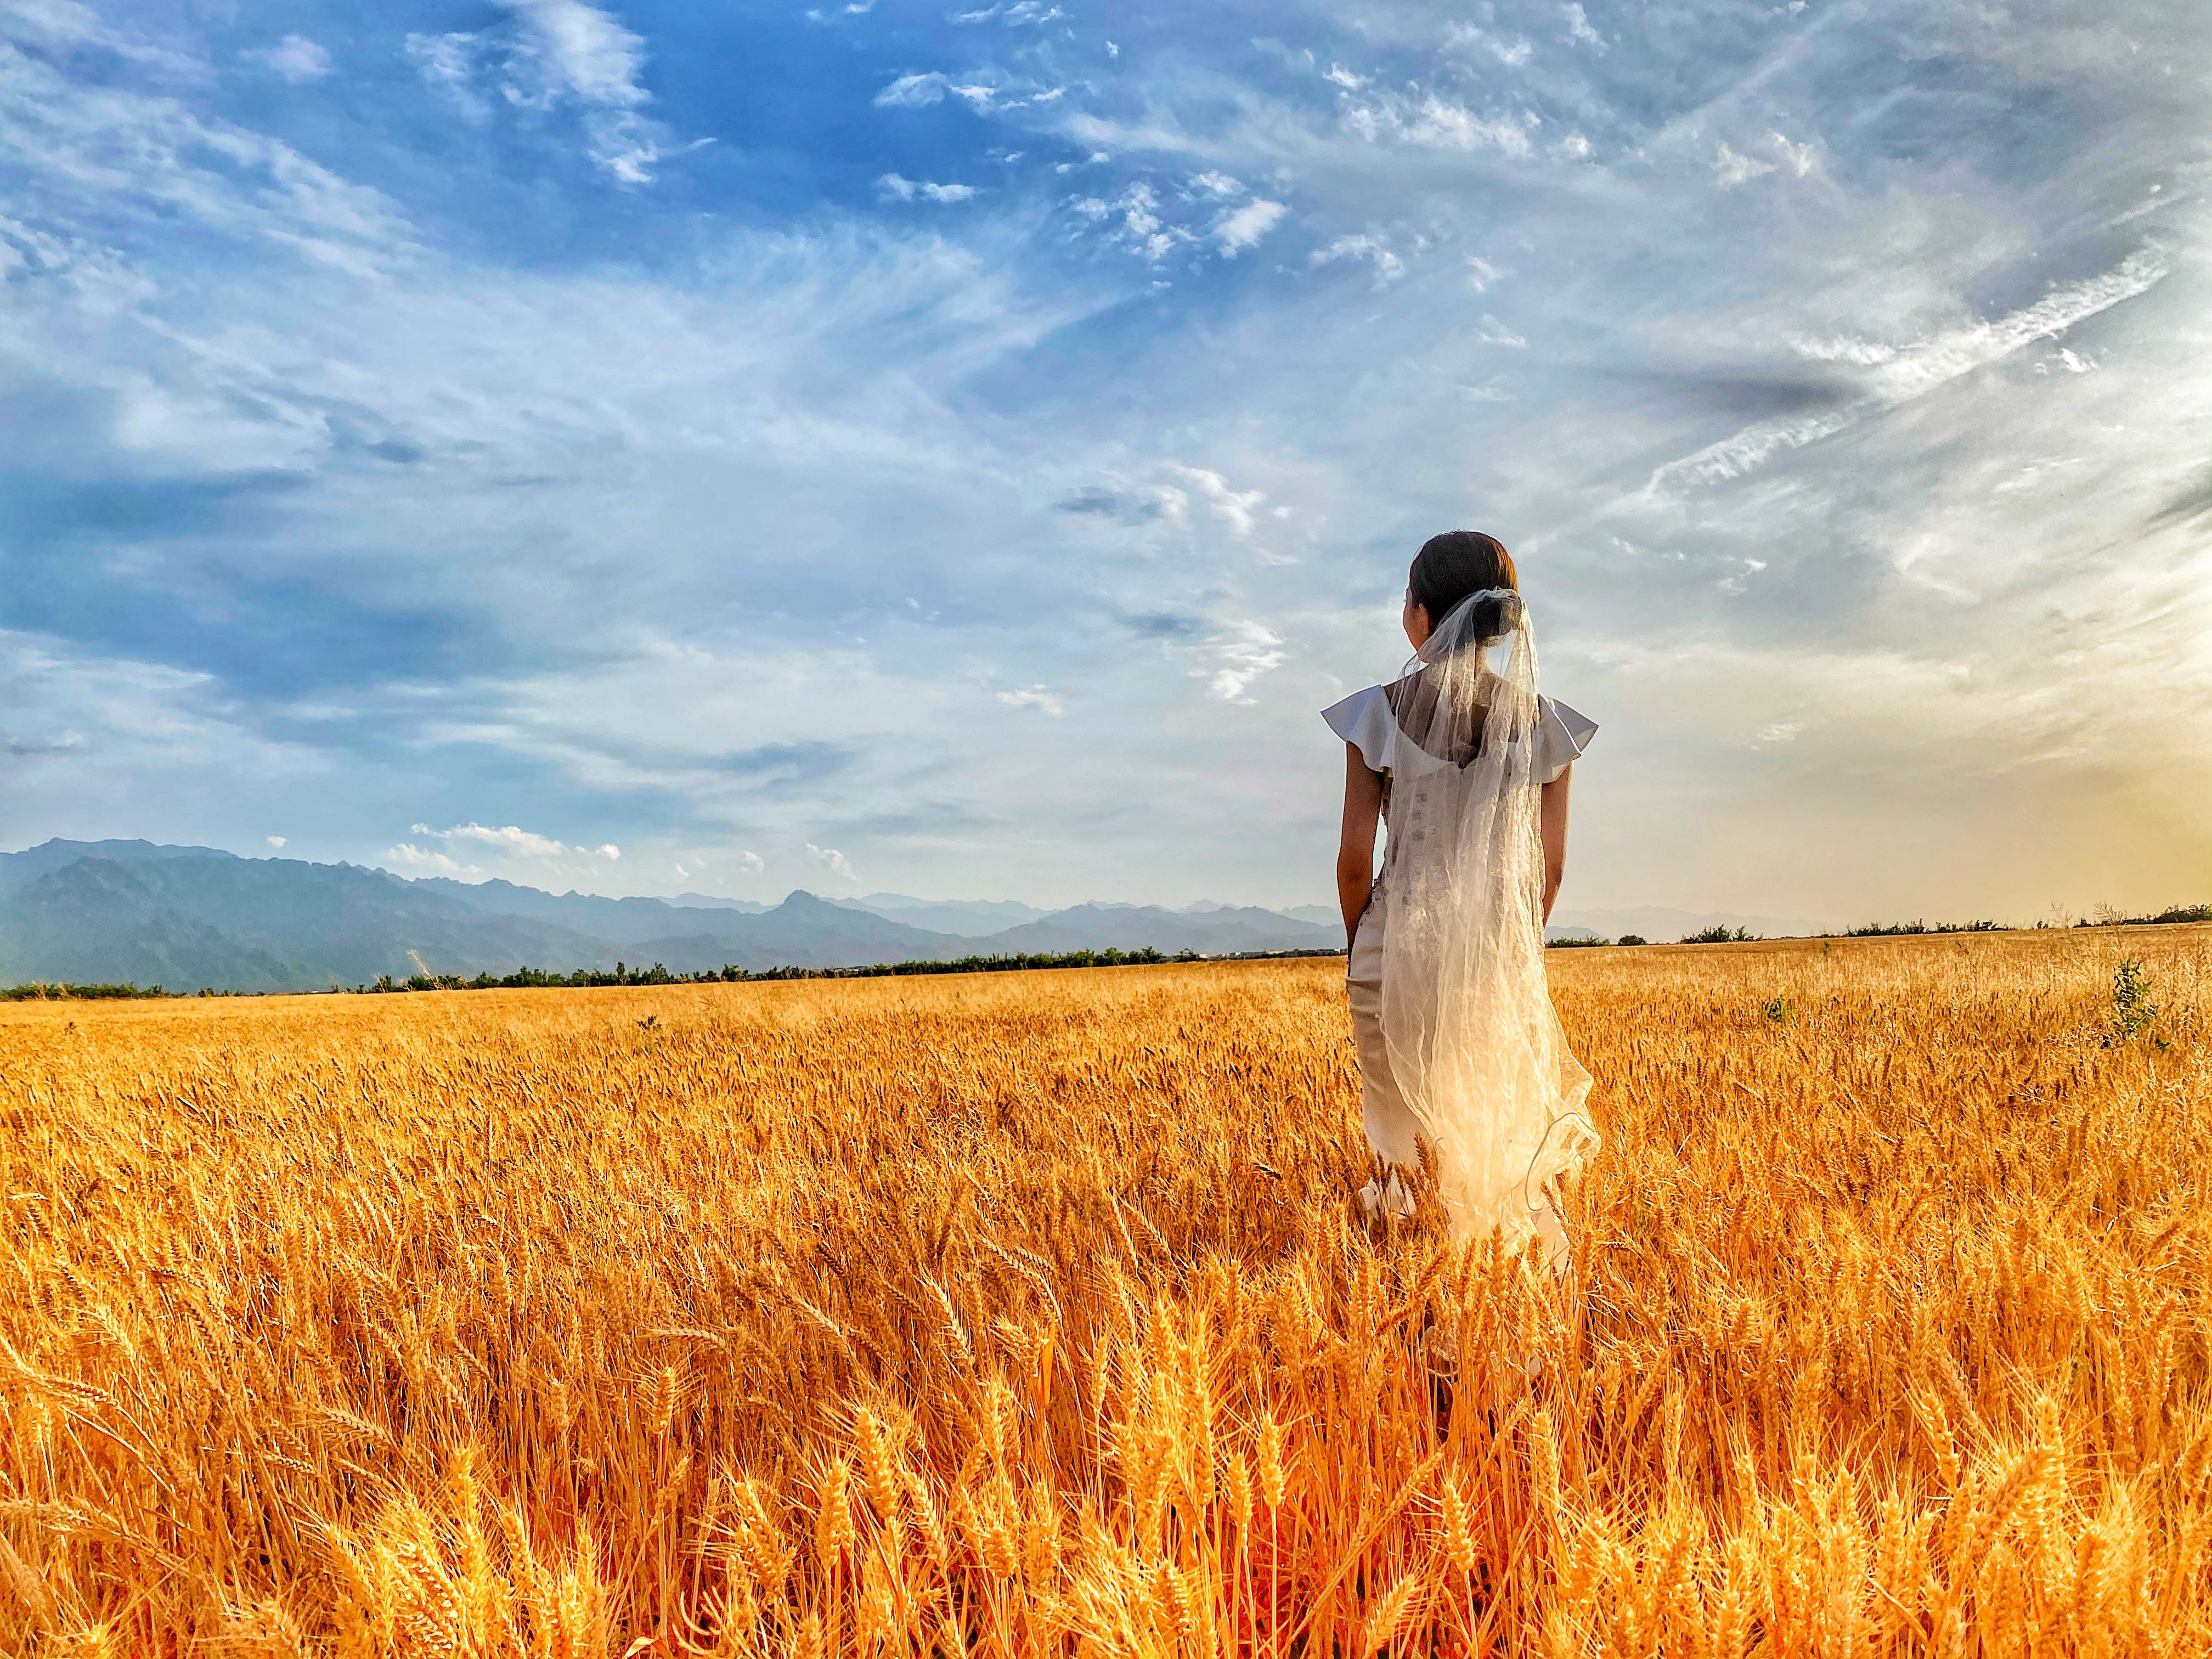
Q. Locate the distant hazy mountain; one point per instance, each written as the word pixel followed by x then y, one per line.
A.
pixel 626 921
pixel 19 870
pixel 256 925
pixel 968 918
pixel 702 902
pixel 1131 928
pixel 94 923
pixel 187 917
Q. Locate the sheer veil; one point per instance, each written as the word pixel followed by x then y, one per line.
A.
pixel 1475 1045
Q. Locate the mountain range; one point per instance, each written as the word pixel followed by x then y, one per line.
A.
pixel 110 911
pixel 184 917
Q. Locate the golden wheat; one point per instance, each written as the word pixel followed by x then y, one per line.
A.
pixel 1021 1315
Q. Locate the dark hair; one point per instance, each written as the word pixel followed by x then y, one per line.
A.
pixel 1458 562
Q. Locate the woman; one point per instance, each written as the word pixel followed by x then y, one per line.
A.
pixel 1459 1044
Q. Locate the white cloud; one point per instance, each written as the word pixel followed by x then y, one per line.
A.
pixel 513 842
pixel 834 862
pixel 1924 365
pixel 919 91
pixel 1216 184
pixel 1732 169
pixel 1364 245
pixel 276 841
pixel 176 168
pixel 1799 157
pixel 1167 503
pixel 1344 78
pixel 1735 584
pixel 583 51
pixel 1481 273
pixel 1513 53
pixel 1242 653
pixel 509 838
pixel 1242 228
pixel 1862 353
pixel 1579 30
pixel 1494 333
pixel 1037 697
pixel 296 58
pixel 1033 13
pixel 1434 122
pixel 415 857
pixel 1896 375
pixel 1233 507
pixel 717 865
pixel 555 53
pixel 448 63
pixel 1142 229
pixel 912 91
pixel 896 188
pixel 68 23
pixel 2035 473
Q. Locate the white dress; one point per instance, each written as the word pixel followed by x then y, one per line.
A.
pixel 1366 720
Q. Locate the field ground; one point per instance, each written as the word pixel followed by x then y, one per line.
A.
pixel 1025 1314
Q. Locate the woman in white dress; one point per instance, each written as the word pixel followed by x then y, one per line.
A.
pixel 1468 767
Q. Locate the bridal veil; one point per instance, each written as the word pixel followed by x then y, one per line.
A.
pixel 1475 1045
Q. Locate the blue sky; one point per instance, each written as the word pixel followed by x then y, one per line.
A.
pixel 956 449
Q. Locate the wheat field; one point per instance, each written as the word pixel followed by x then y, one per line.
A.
pixel 1027 1314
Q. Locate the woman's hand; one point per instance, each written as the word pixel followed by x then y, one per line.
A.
pixel 1355 850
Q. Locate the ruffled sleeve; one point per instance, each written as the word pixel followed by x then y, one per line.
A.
pixel 1561 736
pixel 1364 721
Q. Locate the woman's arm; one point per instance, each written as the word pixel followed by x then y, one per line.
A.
pixel 1355 850
pixel 1551 818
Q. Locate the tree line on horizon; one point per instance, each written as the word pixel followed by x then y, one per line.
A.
pixel 730 973
pixel 623 974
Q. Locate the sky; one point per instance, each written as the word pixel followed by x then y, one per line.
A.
pixel 652 448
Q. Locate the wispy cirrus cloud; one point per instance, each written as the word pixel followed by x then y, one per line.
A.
pixel 1241 654
pixel 1020 14
pixel 919 91
pixel 1373 248
pixel 1034 697
pixel 550 55
pixel 296 58
pixel 896 188
pixel 1432 120
pixel 1895 374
